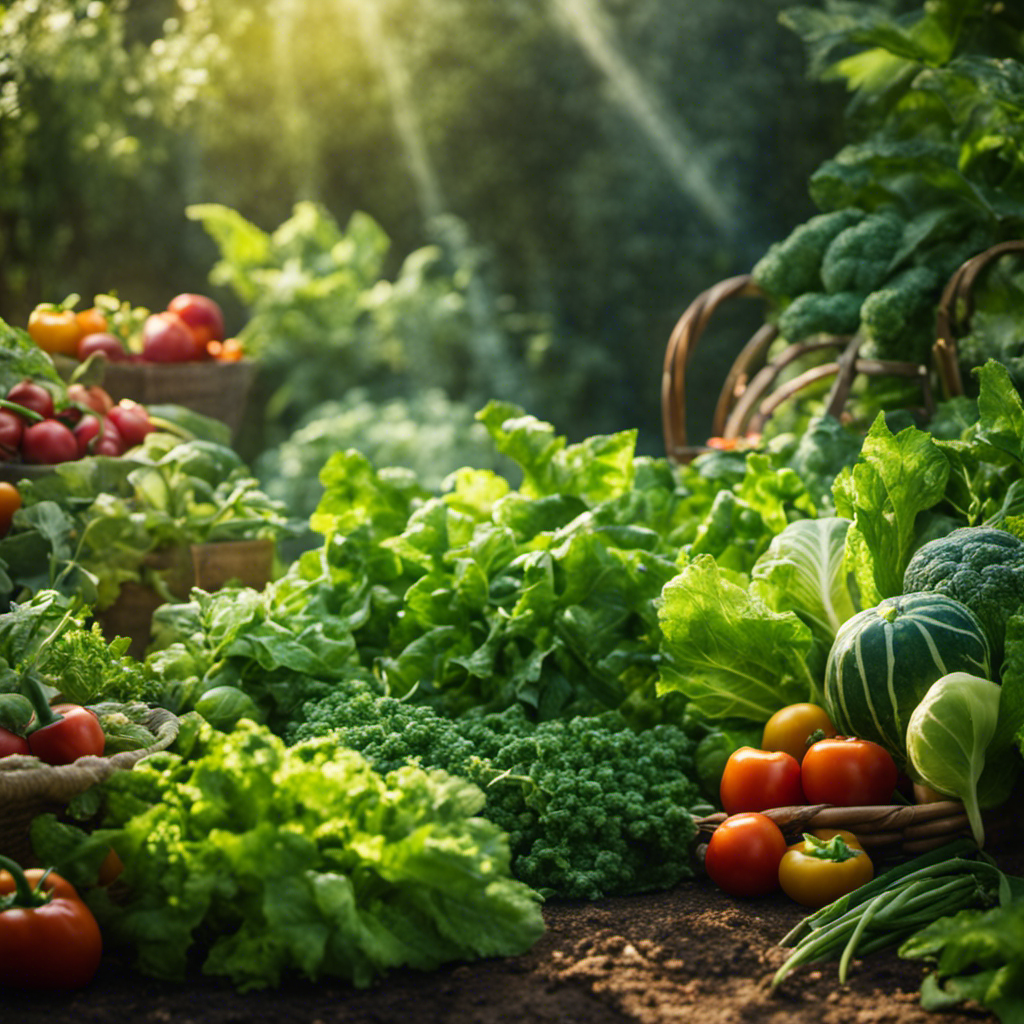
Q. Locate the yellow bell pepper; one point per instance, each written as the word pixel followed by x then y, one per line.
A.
pixel 824 865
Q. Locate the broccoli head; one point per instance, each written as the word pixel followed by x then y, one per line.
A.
pixel 980 566
pixel 860 256
pixel 793 266
pixel 820 313
pixel 897 319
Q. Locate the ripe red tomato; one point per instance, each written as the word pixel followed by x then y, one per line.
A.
pixel 202 315
pixel 744 854
pixel 754 780
pixel 131 421
pixel 48 442
pixel 103 342
pixel 790 727
pixel 10 502
pixel 166 338
pixel 849 772
pixel 76 733
pixel 12 743
pixel 12 427
pixel 54 329
pixel 32 396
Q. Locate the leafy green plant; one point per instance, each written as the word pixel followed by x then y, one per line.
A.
pixel 268 861
pixel 91 525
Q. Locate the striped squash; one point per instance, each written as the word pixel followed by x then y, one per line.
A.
pixel 885 658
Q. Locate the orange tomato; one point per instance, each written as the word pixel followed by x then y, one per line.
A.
pixel 227 351
pixel 92 321
pixel 10 502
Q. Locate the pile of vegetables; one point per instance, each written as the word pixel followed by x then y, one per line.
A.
pixel 465 698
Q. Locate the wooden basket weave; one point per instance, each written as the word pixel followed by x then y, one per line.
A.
pixel 26 792
pixel 216 389
pixel 751 392
pixel 902 828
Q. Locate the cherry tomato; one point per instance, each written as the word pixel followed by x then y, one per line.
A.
pixel 53 945
pixel 75 734
pixel 32 396
pixel 821 867
pixel 131 421
pixel 227 351
pixel 47 443
pixel 54 329
pixel 744 854
pixel 790 727
pixel 754 780
pixel 12 743
pixel 10 502
pixel 848 772
pixel 12 427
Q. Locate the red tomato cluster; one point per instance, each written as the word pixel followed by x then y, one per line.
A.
pixel 191 328
pixel 744 852
pixel 34 431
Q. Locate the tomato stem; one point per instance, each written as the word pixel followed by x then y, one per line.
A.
pixel 25 895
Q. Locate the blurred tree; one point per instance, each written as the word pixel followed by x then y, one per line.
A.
pixel 115 116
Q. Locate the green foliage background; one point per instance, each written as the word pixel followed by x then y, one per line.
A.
pixel 115 116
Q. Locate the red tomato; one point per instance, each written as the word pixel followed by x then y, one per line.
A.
pixel 48 442
pixel 56 945
pixel 12 427
pixel 32 396
pixel 848 772
pixel 202 315
pixel 103 342
pixel 131 421
pixel 12 743
pixel 790 727
pixel 754 780
pixel 166 338
pixel 10 502
pixel 744 854
pixel 76 733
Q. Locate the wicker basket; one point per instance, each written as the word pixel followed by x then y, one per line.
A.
pixel 216 389
pixel 26 792
pixel 209 566
pixel 907 829
pixel 751 392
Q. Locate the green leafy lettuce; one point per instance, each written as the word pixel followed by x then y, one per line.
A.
pixel 265 861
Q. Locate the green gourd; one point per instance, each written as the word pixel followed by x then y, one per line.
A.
pixel 884 659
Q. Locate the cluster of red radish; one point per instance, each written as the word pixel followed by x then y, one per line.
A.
pixel 34 431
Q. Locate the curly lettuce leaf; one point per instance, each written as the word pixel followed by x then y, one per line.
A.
pixel 727 651
pixel 896 478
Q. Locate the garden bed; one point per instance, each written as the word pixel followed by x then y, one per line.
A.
pixel 690 954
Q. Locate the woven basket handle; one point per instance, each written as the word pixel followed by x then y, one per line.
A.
pixel 681 345
pixel 955 309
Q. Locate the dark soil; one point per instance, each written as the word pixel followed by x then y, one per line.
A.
pixel 691 954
